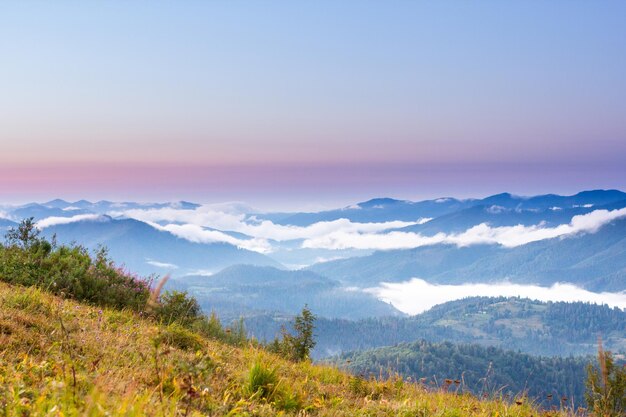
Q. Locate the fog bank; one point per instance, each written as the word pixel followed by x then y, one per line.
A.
pixel 416 296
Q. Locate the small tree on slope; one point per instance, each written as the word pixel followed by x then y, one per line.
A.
pixel 297 346
pixel 606 386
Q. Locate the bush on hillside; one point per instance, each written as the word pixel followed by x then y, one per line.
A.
pixel 178 307
pixel 30 260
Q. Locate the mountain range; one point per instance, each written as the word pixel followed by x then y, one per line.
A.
pixel 146 250
pixel 580 239
pixel 595 261
pixel 263 268
pixel 388 209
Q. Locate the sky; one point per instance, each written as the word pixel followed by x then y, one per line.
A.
pixel 282 103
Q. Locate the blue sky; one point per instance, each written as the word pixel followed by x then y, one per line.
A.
pixel 323 101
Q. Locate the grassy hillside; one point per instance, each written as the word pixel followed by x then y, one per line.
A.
pixel 63 358
pixel 80 336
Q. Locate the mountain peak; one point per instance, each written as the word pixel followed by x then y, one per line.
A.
pixel 612 194
pixel 57 203
pixel 501 196
pixel 380 202
pixel 82 204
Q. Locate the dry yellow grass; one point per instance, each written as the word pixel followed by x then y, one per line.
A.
pixel 62 358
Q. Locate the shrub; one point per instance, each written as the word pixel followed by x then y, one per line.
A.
pixel 178 307
pixel 606 387
pixel 70 271
pixel 177 336
pixel 262 382
pixel 358 386
pixel 25 236
pixel 210 327
pixel 297 346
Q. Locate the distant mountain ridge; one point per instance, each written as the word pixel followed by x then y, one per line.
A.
pixel 388 209
pixel 62 208
pixel 594 260
pixel 6 224
pixel 499 216
pixel 244 290
pixel 144 249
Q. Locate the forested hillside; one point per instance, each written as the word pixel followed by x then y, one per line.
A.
pixel 246 290
pixel 483 371
pixel 595 261
pixel 553 328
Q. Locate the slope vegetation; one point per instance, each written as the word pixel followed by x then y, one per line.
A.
pixel 80 336
pixel 60 357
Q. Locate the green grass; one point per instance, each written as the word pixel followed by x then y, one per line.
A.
pixel 62 358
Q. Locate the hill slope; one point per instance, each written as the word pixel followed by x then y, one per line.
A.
pixel 524 325
pixel 144 249
pixel 60 357
pixel 596 261
pixel 244 290
pixel 480 370
pixel 499 216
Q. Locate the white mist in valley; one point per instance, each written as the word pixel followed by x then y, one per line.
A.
pixel 416 296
